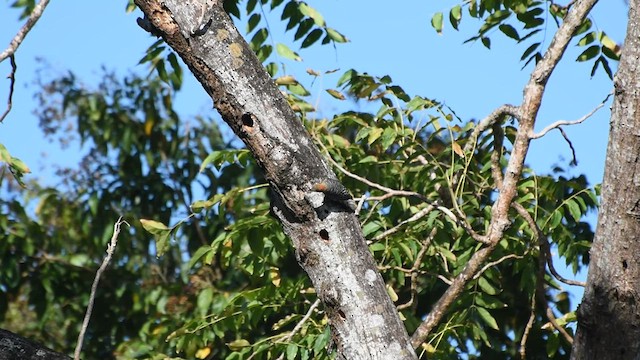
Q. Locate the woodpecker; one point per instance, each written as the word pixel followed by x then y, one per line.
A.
pixel 335 192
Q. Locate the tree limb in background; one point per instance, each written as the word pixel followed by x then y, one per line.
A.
pixel 527 113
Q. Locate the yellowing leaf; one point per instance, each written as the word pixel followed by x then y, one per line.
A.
pixel 238 344
pixel 392 293
pixel 286 80
pixel 154 227
pixel 457 149
pixel 336 94
pixel 274 275
pixel 203 353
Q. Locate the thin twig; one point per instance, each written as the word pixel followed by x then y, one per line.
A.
pixel 111 248
pixel 299 325
pixel 527 329
pixel 22 33
pixel 420 214
pixel 494 263
pixel 12 82
pixel 302 321
pixel 560 123
pixel 574 160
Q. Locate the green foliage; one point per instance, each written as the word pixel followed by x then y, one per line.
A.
pixel 526 21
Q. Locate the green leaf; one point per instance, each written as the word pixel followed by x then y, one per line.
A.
pixel 253 21
pixel 455 15
pixel 486 286
pixel 154 227
pixel 284 51
pixel 436 22
pixel 590 53
pixel 587 39
pixel 312 13
pixel 202 251
pixel 205 298
pixel 292 351
pixel 336 36
pixel 311 38
pixel 374 135
pixel 239 344
pixel 510 31
pixel 487 318
pixel 321 341
pixel 388 137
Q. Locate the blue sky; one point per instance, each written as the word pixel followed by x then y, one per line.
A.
pixel 397 40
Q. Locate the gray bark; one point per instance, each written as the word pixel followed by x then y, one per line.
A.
pixel 609 316
pixel 328 240
pixel 14 347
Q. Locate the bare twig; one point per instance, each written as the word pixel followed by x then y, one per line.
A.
pixel 302 321
pixel 494 263
pixel 111 248
pixel 22 33
pixel 526 114
pixel 420 214
pixel 299 325
pixel 527 329
pixel 12 82
pixel 559 123
pixel 574 160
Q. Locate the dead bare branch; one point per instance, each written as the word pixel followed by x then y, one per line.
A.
pixel 559 123
pixel 111 248
pixel 12 82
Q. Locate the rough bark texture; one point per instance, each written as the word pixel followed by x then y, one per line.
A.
pixel 14 347
pixel 609 316
pixel 328 239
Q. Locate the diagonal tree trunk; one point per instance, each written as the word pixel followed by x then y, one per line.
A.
pixel 328 239
pixel 609 316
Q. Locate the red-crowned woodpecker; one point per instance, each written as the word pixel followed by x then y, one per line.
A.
pixel 334 191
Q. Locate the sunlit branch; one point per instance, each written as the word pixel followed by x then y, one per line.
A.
pixel 111 248
pixel 560 123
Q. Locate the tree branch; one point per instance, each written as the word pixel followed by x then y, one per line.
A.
pixel 559 123
pixel 111 248
pixel 526 114
pixel 22 33
pixel 12 82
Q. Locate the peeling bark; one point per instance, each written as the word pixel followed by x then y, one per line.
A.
pixel 609 316
pixel 328 240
